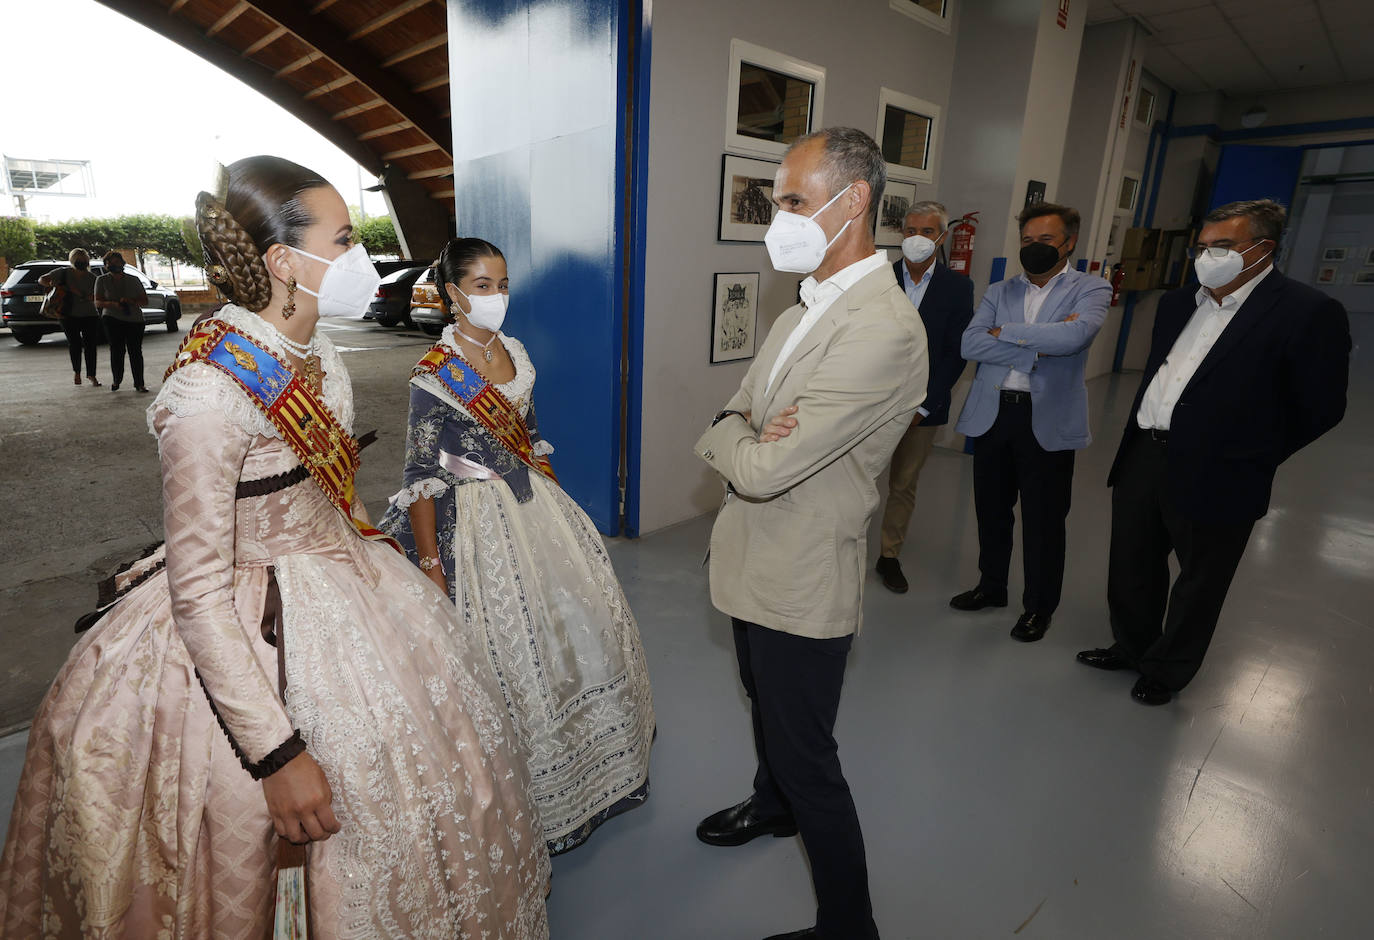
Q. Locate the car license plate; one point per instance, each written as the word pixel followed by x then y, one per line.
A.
pixel 34 298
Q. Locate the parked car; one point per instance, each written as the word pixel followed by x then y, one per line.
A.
pixel 21 297
pixel 391 305
pixel 425 311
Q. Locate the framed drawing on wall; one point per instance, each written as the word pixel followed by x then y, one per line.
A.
pixel 734 317
pixel 746 198
pixel 1333 254
pixel 1364 276
pixel 1326 274
pixel 897 201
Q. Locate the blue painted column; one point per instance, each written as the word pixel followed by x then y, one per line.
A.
pixel 540 170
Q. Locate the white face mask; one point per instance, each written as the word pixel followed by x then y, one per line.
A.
pixel 1213 271
pixel 486 311
pixel 796 243
pixel 918 248
pixel 348 285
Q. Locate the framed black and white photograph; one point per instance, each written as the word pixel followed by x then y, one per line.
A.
pixel 734 317
pixel 1364 276
pixel 896 203
pixel 1334 254
pixel 746 198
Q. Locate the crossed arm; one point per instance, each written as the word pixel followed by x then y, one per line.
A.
pixel 1018 345
pixel 857 386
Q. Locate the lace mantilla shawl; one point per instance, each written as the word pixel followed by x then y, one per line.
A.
pixel 199 387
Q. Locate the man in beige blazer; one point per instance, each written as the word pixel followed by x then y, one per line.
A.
pixel 841 375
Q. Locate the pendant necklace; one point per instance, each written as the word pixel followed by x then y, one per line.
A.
pixel 485 347
pixel 306 352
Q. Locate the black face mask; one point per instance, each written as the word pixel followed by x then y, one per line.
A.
pixel 1038 257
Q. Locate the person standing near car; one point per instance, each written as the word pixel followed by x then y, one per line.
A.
pixel 121 296
pixel 80 319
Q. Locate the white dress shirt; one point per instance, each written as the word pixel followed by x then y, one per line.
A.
pixel 916 293
pixel 818 298
pixel 1199 335
pixel 1035 299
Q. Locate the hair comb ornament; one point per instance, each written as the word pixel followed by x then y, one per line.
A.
pixel 219 186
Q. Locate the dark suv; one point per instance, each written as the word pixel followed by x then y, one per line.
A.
pixel 21 298
pixel 391 305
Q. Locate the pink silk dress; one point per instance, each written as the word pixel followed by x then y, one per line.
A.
pixel 136 817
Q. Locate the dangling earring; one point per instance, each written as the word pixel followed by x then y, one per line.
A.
pixel 288 309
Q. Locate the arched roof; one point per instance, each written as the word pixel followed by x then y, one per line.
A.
pixel 371 76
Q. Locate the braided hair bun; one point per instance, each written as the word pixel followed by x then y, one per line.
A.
pixel 262 208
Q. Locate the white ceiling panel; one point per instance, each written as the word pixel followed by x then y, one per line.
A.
pixel 1290 25
pixel 1103 11
pixel 1151 8
pixel 1197 23
pixel 1171 71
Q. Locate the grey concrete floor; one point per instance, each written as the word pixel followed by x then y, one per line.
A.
pixel 1004 789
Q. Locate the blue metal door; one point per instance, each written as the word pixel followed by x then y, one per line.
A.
pixel 540 169
pixel 1248 171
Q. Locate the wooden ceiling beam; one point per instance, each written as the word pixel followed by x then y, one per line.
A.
pixel 437 81
pixel 419 48
pixel 298 64
pixel 177 6
pixel 358 109
pixel 355 60
pixel 233 13
pixel 385 131
pixel 155 15
pixel 442 194
pixel 437 172
pixel 327 87
pixel 411 151
pixel 322 5
pixel 276 33
pixel 390 16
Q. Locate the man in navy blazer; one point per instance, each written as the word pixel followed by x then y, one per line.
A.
pixel 1028 412
pixel 945 301
pixel 1242 373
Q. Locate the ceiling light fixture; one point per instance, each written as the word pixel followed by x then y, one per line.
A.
pixel 1254 117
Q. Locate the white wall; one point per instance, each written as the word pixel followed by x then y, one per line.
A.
pixel 863 46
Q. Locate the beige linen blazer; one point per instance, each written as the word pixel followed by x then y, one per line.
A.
pixel 788 549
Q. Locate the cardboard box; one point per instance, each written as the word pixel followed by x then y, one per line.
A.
pixel 1142 275
pixel 1142 243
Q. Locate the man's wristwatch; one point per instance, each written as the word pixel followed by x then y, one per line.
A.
pixel 725 414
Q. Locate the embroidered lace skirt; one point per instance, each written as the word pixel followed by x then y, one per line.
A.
pixel 535 587
pixel 134 818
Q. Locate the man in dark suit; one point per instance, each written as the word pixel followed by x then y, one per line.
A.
pixel 945 302
pixel 1028 412
pixel 1242 374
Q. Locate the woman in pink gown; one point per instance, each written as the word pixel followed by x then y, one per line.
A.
pixel 138 815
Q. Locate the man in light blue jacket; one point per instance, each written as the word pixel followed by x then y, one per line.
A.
pixel 1028 412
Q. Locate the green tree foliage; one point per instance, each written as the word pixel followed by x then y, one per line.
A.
pixel 163 234
pixel 17 242
pixel 378 236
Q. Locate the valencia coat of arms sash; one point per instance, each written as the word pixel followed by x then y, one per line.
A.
pixel 327 451
pixel 485 403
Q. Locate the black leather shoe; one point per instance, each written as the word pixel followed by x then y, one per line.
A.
pixel 1030 627
pixel 890 570
pixel 1108 659
pixel 1149 691
pixel 739 824
pixel 808 934
pixel 979 598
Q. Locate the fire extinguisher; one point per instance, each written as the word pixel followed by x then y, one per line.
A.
pixel 1118 278
pixel 961 243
